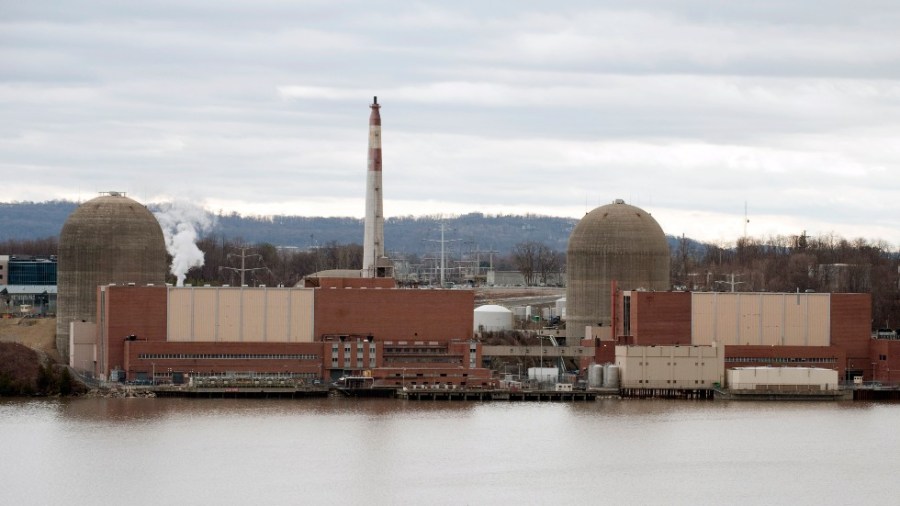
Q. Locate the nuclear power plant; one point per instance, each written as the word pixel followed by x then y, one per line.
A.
pixel 616 243
pixel 111 239
pixel 359 325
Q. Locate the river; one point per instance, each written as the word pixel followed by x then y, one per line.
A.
pixel 374 451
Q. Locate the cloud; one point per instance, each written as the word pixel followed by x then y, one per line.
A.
pixel 685 107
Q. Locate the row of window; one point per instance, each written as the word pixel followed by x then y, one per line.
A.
pixel 672 382
pixel 227 356
pixel 780 360
pixel 441 350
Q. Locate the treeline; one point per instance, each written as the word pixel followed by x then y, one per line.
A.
pixel 827 263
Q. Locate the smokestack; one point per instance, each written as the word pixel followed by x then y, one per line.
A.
pixel 373 239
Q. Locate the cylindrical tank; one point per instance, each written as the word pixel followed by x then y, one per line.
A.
pixel 615 242
pixel 595 375
pixel 109 239
pixel 491 318
pixel 519 312
pixel 610 376
pixel 561 308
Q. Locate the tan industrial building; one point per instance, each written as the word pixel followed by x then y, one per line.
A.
pixel 670 367
pixel 785 379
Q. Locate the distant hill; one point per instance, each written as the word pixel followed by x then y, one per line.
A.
pixel 410 235
pixel 33 220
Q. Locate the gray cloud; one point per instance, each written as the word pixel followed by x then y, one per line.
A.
pixel 686 108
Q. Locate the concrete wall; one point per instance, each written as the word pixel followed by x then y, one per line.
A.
pixel 83 346
pixel 211 314
pixel 755 378
pixel 670 367
pixel 395 314
pixel 764 319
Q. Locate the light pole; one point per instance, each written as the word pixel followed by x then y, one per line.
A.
pixel 403 379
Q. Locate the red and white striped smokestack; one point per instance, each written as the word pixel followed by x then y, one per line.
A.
pixel 373 238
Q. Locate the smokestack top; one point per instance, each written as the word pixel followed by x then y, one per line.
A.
pixel 375 106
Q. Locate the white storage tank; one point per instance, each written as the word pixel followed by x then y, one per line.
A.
pixel 595 376
pixel 561 308
pixel 610 376
pixel 519 312
pixel 492 318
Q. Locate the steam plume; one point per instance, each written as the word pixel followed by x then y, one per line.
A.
pixel 181 222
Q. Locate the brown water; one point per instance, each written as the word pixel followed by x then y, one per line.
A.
pixel 180 451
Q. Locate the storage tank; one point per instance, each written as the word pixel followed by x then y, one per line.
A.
pixel 109 239
pixel 595 376
pixel 616 242
pixel 610 376
pixel 561 308
pixel 492 318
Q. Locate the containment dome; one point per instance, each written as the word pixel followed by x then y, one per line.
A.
pixel 492 318
pixel 616 242
pixel 110 239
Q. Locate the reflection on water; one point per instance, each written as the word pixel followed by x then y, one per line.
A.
pixel 378 451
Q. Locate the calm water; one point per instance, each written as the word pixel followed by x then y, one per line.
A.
pixel 180 451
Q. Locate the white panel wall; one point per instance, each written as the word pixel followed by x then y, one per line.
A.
pixel 214 314
pixel 761 319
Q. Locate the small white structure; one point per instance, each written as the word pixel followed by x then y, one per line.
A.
pixel 543 374
pixel 491 318
pixel 782 378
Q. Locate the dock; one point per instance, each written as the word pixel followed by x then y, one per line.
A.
pixel 241 392
pixel 497 395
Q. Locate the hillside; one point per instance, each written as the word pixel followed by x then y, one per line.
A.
pixel 410 235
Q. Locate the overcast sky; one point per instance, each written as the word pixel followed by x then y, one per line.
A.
pixel 688 109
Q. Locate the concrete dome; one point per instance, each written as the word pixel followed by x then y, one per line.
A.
pixel 110 239
pixel 617 242
pixel 491 317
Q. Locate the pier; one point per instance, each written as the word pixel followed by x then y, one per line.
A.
pixel 497 395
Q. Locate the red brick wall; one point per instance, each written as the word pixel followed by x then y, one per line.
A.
pixel 395 314
pixel 885 361
pixel 661 318
pixel 137 310
pixel 851 327
pixel 356 282
pixel 133 364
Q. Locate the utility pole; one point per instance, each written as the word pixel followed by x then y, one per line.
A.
pixel 243 270
pixel 732 282
pixel 443 253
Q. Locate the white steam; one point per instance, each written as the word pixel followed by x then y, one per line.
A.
pixel 181 222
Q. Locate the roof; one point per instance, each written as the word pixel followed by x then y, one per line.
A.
pixel 28 289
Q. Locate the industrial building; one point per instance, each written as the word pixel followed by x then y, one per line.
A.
pixel 670 367
pixel 754 329
pixel 613 246
pixel 109 239
pixel 27 285
pixel 117 318
pixel 126 323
